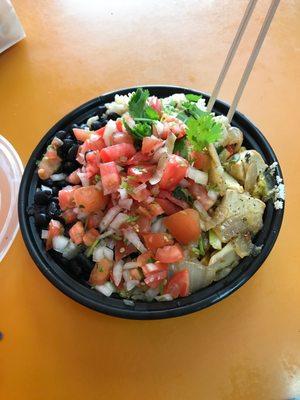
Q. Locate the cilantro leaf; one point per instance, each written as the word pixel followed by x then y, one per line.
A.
pixel 137 103
pixel 140 130
pixel 183 194
pixel 132 218
pixel 202 131
pixel 193 97
pixel 201 246
pixel 181 148
pixel 151 113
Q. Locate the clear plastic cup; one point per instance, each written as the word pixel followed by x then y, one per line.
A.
pixel 11 170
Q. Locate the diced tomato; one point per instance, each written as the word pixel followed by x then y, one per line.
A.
pixel 92 163
pixel 154 280
pixel 73 178
pixel 156 104
pixel 100 273
pixel 66 197
pixel 90 236
pixel 174 172
pixel 169 254
pixel 178 285
pixel 153 267
pixel 117 152
pixel 139 158
pixel 143 211
pixel 110 177
pixel 141 173
pixel 90 145
pixel 199 192
pixel 90 199
pixel 55 228
pixel 167 195
pixel 153 241
pixel 150 144
pixel 155 209
pixel 142 225
pixel 69 216
pixel 201 160
pixel 81 134
pixel 140 195
pixel 155 273
pixel 119 125
pixel 144 258
pixel 77 232
pixel 122 137
pixel 123 250
pixel 230 148
pixel 100 131
pixel 168 207
pixel 94 219
pixel 184 225
pixel 136 274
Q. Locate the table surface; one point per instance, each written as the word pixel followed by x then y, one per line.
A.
pixel 245 347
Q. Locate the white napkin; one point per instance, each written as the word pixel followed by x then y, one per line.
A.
pixel 11 30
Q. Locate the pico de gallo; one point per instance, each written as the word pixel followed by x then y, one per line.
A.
pixel 151 198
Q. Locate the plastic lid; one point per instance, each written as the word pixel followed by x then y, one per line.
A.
pixel 11 170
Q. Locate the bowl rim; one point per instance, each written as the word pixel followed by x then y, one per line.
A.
pixel 178 307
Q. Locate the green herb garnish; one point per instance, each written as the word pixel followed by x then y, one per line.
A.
pixel 183 194
pixel 90 250
pixel 201 246
pixel 180 148
pixel 97 178
pixel 193 97
pixel 202 131
pixel 132 218
pixel 150 260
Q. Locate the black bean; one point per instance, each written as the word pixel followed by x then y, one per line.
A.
pixel 42 197
pixel 96 125
pixel 41 220
pixel 70 166
pixel 86 264
pixel 75 267
pixel 63 150
pixel 55 191
pixel 72 152
pixel 113 116
pixel 74 126
pixel 30 211
pixel 53 210
pixel 61 135
pixel 61 184
pixel 47 182
pixel 83 126
pixel 101 110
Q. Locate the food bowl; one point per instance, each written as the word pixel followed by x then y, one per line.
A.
pixel 79 290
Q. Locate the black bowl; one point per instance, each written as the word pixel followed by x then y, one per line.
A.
pixel 79 290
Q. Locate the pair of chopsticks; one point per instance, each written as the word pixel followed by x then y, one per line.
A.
pixel 259 41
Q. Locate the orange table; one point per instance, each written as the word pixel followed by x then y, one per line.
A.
pixel 247 346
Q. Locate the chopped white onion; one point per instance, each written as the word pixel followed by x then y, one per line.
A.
pixel 164 297
pixel 129 302
pixel 158 153
pixel 101 252
pixel 81 215
pixel 117 272
pixel 159 170
pixel 108 217
pixel 71 251
pixel 45 188
pixel 184 183
pixel 110 243
pixel 139 188
pixel 170 142
pixel 118 221
pixel 57 142
pixel 107 289
pixel 126 275
pixel 125 203
pixel 131 264
pixel 201 210
pixel 151 293
pixel 123 193
pixel 58 177
pixel 106 234
pixel 197 176
pixel 110 128
pixel 44 234
pixel 213 195
pixel 91 120
pixel 84 180
pixel 134 239
pixel 159 127
pixel 149 200
pixel 129 285
pixel 94 137
pixel 151 267
pixel 60 243
pixel 158 226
